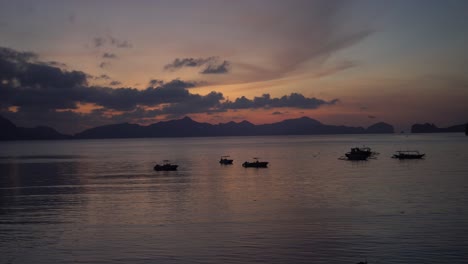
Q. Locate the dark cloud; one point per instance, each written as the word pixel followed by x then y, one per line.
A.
pixel 217 69
pixel 100 77
pixel 108 55
pixel 155 82
pixel 195 103
pixel 13 55
pixel 294 100
pixel 56 64
pixel 211 65
pixel 277 113
pixel 115 83
pixel 187 62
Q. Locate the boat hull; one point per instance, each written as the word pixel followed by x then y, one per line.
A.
pixel 353 156
pixel 225 161
pixel 406 156
pixel 256 164
pixel 165 167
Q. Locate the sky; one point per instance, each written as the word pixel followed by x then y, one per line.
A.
pixel 74 65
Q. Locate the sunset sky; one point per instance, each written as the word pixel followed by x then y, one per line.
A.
pixel 73 65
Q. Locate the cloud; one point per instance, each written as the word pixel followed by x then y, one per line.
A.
pixel 294 100
pixel 99 42
pixel 195 103
pixel 211 65
pixel 296 34
pixel 111 41
pixel 16 56
pixel 276 113
pixel 155 82
pixel 115 83
pixel 103 76
pixel 120 43
pixel 371 116
pixel 108 55
pixel 56 64
pixel 104 64
pixel 216 69
pixel 337 67
pixel 187 62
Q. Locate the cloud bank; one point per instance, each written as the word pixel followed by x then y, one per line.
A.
pixel 31 91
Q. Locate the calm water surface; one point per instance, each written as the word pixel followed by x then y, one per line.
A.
pixel 99 201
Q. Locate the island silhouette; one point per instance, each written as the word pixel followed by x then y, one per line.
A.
pixel 187 127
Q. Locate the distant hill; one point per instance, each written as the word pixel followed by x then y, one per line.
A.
pixel 431 128
pixel 9 131
pixel 380 128
pixel 187 127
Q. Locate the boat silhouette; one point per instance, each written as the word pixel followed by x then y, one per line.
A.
pixel 408 154
pixel 357 153
pixel 255 164
pixel 165 166
pixel 225 161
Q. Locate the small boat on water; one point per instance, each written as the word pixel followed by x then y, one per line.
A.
pixel 255 164
pixel 408 154
pixel 225 161
pixel 166 166
pixel 360 153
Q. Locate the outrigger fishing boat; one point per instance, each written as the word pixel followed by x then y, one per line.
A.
pixel 255 164
pixel 408 154
pixel 166 166
pixel 357 153
pixel 225 161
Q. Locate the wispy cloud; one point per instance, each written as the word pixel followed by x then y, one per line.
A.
pixel 216 69
pixel 111 41
pixel 108 55
pixel 209 65
pixel 297 33
pixel 115 83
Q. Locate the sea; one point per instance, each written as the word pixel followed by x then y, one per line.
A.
pixel 100 201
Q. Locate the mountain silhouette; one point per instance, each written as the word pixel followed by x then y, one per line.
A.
pixel 380 128
pixel 9 131
pixel 186 127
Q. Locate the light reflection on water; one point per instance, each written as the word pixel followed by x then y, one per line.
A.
pixel 99 201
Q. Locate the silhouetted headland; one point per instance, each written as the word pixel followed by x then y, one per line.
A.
pixel 9 131
pixel 431 128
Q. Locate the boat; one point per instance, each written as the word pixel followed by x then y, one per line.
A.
pixel 225 161
pixel 408 154
pixel 166 166
pixel 360 153
pixel 255 164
